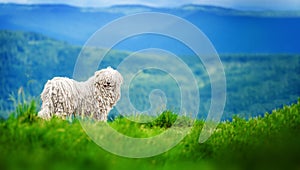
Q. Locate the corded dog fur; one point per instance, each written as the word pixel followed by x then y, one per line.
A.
pixel 64 97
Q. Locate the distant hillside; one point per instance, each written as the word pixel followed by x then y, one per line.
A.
pixel 256 83
pixel 231 31
pixel 28 60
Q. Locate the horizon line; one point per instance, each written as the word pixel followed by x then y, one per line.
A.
pixel 149 6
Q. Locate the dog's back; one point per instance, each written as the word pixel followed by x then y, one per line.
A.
pixel 57 96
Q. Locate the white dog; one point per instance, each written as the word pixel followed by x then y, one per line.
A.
pixel 64 97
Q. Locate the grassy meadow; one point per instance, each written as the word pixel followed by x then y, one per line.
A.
pixel 246 139
pixel 267 142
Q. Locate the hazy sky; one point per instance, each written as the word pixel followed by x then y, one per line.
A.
pixel 239 4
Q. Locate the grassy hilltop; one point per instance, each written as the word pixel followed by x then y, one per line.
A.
pixel 256 83
pixel 271 141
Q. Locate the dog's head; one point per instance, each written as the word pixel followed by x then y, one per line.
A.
pixel 108 83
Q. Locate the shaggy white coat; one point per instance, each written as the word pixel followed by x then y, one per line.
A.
pixel 64 97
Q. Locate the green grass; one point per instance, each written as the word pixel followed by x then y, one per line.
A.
pixel 268 142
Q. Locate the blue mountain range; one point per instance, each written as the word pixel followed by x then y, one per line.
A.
pixel 230 30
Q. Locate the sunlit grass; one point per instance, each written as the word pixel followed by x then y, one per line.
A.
pixel 28 142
